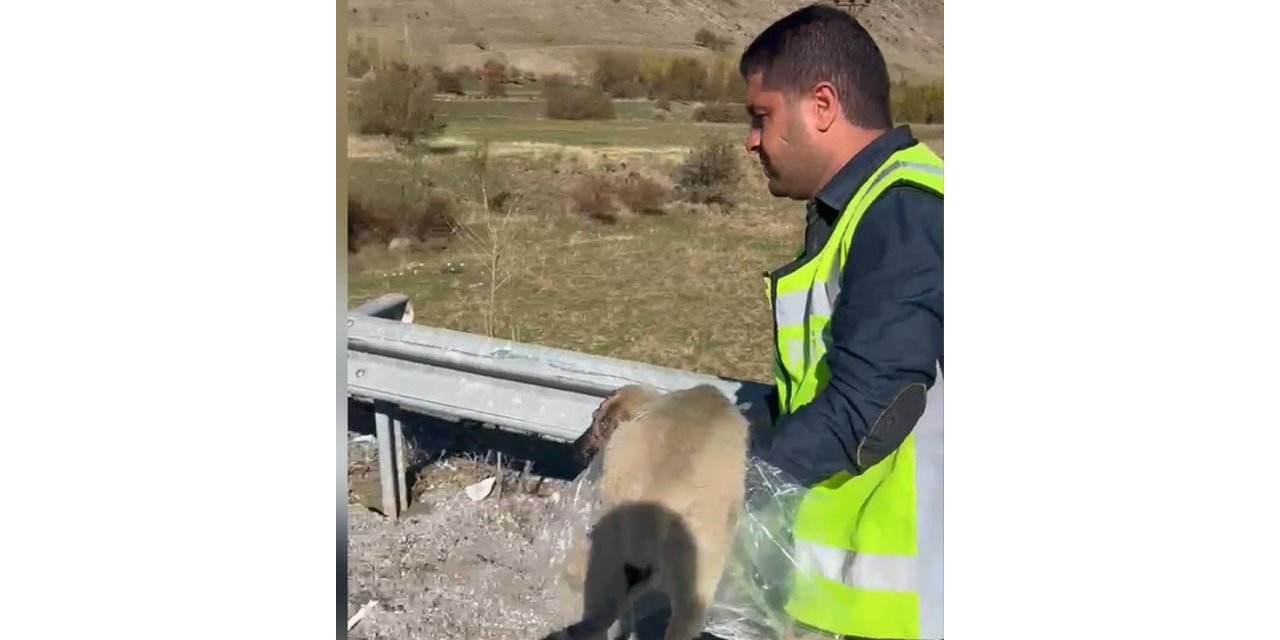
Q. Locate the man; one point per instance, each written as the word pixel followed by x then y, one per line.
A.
pixel 856 412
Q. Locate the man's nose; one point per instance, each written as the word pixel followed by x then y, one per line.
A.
pixel 753 140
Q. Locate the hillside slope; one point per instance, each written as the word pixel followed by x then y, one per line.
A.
pixel 547 36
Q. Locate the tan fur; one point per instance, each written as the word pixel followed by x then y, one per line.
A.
pixel 671 488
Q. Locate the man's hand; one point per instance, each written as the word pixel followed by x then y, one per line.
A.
pixel 760 424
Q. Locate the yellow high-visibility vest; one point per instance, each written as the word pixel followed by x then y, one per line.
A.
pixel 868 547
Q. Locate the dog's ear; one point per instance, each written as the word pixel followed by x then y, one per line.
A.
pixel 615 409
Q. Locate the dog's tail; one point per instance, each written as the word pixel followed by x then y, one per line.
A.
pixel 596 624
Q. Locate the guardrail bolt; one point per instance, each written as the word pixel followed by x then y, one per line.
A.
pixel 359 373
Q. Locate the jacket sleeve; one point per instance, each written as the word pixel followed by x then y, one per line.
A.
pixel 886 336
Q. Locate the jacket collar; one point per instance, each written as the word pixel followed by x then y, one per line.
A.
pixel 832 199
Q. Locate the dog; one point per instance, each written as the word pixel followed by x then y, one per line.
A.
pixel 672 469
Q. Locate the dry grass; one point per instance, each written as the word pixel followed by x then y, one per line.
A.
pixel 720 112
pixel 679 290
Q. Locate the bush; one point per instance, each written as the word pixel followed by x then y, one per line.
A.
pixel 358 62
pixel 448 81
pixel 592 196
pixel 711 40
pixel 551 83
pixel 365 227
pixel 720 112
pixel 685 79
pixel 399 102
pixel 724 83
pixel 618 75
pixel 642 194
pixel 916 104
pixel 576 102
pixel 691 79
pixel 494 77
pixel 377 220
pixel 710 173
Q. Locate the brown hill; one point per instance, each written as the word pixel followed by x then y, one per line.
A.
pixel 546 36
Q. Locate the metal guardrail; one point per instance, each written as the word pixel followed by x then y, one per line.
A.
pixel 534 390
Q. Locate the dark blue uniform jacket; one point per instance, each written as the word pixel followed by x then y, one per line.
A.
pixel 886 324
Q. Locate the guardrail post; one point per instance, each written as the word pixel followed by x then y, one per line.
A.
pixel 387 457
pixel 401 469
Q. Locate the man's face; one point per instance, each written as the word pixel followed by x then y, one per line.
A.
pixel 781 138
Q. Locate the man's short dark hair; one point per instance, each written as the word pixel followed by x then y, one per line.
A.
pixel 820 43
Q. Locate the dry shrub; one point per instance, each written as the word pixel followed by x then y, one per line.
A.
pixel 601 195
pixel 399 102
pixel 494 77
pixel 366 227
pixel 448 81
pixel 663 103
pixel 379 219
pixel 720 112
pixel 711 40
pixel 618 75
pixel 725 83
pixel 554 82
pixel 592 195
pixel 642 194
pixel 684 79
pixel 430 220
pixel 358 62
pixel 710 173
pixel 576 102
pixel 916 104
pixel 691 79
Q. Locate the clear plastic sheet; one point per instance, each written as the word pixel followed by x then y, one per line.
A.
pixel 751 596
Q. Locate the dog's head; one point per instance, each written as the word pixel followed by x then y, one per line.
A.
pixel 619 407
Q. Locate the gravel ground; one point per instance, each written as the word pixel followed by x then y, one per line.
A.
pixel 452 567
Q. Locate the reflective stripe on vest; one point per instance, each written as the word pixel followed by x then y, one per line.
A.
pixel 793 307
pixel 870 571
pixel 868 548
pixel 877 594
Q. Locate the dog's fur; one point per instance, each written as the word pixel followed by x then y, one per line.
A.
pixel 671 488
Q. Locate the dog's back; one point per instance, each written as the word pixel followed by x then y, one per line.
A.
pixel 677 441
pixel 671 486
pixel 685 451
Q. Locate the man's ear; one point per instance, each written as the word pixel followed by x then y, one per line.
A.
pixel 825 104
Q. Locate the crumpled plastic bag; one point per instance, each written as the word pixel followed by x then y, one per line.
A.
pixel 751 596
pixel 750 602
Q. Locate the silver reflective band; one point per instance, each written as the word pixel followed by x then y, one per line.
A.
pixel 900 164
pixel 794 306
pixel 833 282
pixel 860 570
pixel 791 306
